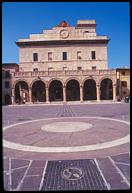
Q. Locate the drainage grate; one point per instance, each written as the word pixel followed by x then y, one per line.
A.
pixel 73 175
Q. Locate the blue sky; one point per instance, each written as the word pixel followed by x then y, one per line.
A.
pixel 19 19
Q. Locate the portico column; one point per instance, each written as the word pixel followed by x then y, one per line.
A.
pixel 13 96
pixel 30 94
pixel 114 92
pixel 98 92
pixel 64 94
pixel 47 95
pixel 81 94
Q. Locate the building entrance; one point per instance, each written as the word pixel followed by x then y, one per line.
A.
pixel 72 90
pixel 38 92
pixel 89 90
pixel 56 91
pixel 21 92
pixel 7 99
pixel 106 89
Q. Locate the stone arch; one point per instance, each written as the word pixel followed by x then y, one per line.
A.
pixel 55 90
pixel 21 91
pixel 19 80
pixel 72 90
pixel 7 99
pixel 75 78
pixel 52 79
pixel 38 91
pixel 106 89
pixel 89 89
pixel 106 77
pixel 34 80
pixel 82 83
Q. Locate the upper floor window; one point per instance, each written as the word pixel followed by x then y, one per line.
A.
pixel 124 83
pixel 35 69
pixel 7 74
pixel 64 68
pixel 93 67
pixel 64 55
pixel 35 56
pixel 49 55
pixel 50 69
pixel 7 84
pixel 123 72
pixel 79 68
pixel 93 55
pixel 79 55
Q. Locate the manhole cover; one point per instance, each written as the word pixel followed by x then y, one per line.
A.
pixel 73 175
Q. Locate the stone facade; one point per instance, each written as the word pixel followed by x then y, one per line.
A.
pixel 123 82
pixel 7 70
pixel 64 64
pixel 78 42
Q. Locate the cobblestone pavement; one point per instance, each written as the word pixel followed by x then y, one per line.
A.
pixel 89 170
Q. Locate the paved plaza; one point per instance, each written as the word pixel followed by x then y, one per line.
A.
pixel 69 146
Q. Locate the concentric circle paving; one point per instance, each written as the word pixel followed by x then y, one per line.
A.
pixel 45 135
pixel 66 126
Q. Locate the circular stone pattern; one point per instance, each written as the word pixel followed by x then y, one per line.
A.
pixel 105 133
pixel 72 173
pixel 66 126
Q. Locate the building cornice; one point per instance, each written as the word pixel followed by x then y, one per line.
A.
pixel 61 42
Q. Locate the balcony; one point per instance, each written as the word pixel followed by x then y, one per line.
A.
pixel 30 74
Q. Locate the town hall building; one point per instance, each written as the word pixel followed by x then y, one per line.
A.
pixel 65 63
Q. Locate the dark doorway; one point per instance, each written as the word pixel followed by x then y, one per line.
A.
pixel 89 90
pixel 106 89
pixel 38 91
pixel 21 92
pixel 56 91
pixel 72 90
pixel 7 99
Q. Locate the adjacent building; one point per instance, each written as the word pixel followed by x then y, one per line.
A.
pixel 7 70
pixel 123 82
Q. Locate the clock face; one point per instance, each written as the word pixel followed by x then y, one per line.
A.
pixel 64 34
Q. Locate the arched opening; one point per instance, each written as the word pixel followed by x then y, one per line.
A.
pixel 72 90
pixel 7 99
pixel 21 92
pixel 89 90
pixel 106 89
pixel 56 91
pixel 38 91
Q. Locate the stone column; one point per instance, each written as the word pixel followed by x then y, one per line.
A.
pixel 30 94
pixel 13 96
pixel 47 95
pixel 114 92
pixel 98 92
pixel 81 94
pixel 64 94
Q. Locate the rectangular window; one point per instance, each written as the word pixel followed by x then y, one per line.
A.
pixel 50 69
pixel 93 67
pixel 7 74
pixel 64 55
pixel 35 69
pixel 49 56
pixel 79 68
pixel 64 68
pixel 79 55
pixel 7 84
pixel 35 56
pixel 123 73
pixel 124 83
pixel 93 55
